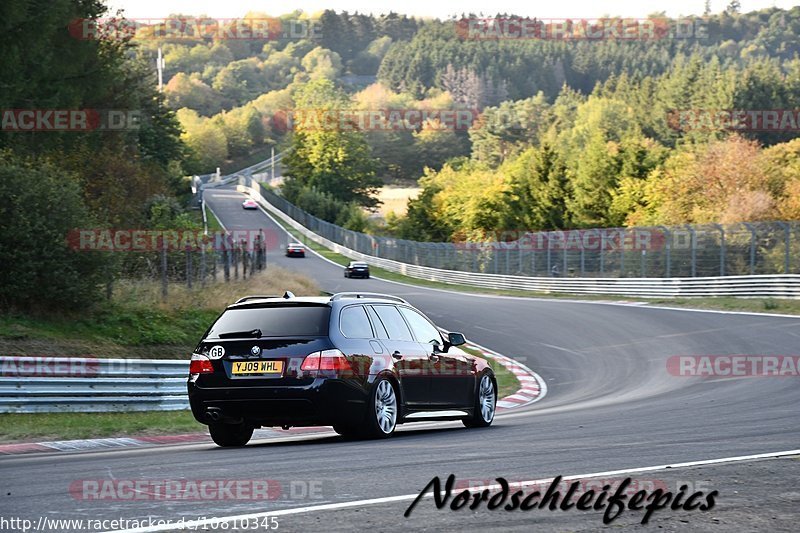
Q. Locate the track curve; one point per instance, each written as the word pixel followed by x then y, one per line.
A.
pixel 611 404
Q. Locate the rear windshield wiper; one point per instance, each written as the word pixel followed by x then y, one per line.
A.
pixel 233 334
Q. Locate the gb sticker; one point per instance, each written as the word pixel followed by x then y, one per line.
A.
pixel 216 352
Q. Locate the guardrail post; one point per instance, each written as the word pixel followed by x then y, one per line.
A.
pixel 188 267
pixel 163 269
pixel 235 257
pixel 203 265
pixel 668 250
pixel 693 245
pixel 602 251
pixel 721 249
pixel 644 263
pixel 226 257
pixel 257 250
pixel 786 240
pixel 753 238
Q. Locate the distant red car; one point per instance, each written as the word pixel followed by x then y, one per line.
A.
pixel 249 204
pixel 295 249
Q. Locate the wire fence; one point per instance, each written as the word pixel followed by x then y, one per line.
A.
pixel 638 252
pixel 192 258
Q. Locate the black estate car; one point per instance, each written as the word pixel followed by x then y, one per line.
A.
pixel 359 362
pixel 357 269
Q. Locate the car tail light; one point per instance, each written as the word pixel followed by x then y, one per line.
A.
pixel 329 362
pixel 200 364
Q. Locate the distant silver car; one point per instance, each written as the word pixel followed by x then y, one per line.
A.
pixel 295 249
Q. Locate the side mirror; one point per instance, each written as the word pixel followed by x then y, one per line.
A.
pixel 456 339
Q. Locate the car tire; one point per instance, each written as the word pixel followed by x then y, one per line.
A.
pixel 229 435
pixel 367 276
pixel 346 431
pixel 383 409
pixel 485 404
pixel 345 274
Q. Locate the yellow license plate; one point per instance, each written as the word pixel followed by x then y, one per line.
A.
pixel 257 367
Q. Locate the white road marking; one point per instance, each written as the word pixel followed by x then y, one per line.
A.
pixel 194 524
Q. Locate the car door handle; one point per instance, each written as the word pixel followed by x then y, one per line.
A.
pixel 397 354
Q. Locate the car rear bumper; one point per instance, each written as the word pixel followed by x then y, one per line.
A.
pixel 358 274
pixel 325 402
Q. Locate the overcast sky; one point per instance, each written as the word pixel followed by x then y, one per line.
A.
pixel 440 9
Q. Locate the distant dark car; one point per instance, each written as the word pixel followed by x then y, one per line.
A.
pixel 295 250
pixel 359 362
pixel 357 269
pixel 249 204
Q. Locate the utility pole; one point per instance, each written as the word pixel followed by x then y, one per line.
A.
pixel 160 63
pixel 272 161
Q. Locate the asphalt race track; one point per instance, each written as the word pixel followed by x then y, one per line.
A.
pixel 611 405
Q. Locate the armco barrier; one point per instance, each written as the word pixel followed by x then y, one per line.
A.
pixel 58 384
pixel 775 285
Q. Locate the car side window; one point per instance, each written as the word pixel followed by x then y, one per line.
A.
pixel 377 325
pixel 394 323
pixel 354 324
pixel 424 331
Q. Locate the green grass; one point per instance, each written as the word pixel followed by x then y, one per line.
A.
pixel 507 382
pixel 109 330
pixel 65 426
pixel 213 222
pixel 756 305
pixel 136 323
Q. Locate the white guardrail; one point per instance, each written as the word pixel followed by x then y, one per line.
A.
pixel 65 384
pixel 756 286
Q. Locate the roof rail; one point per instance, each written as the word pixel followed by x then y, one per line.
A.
pixel 256 297
pixel 340 295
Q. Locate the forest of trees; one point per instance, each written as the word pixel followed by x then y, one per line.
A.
pixel 569 133
pixel 52 182
pixel 565 134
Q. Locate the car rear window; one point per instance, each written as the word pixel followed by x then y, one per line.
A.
pixel 274 321
pixel 354 323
